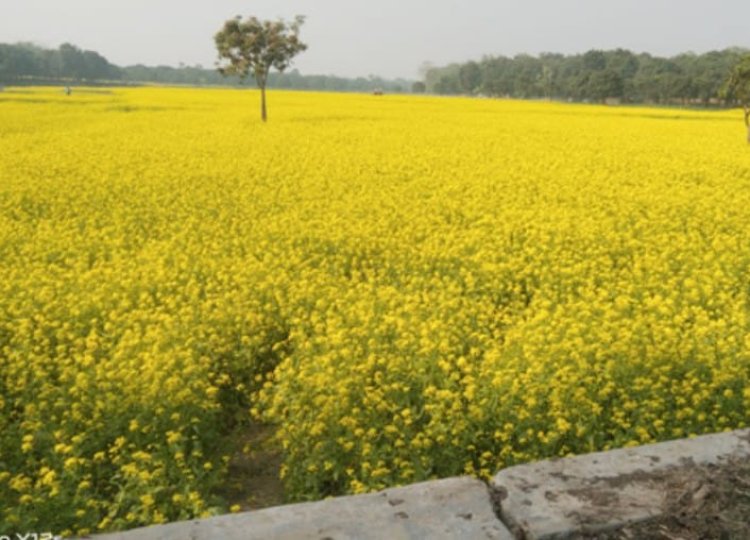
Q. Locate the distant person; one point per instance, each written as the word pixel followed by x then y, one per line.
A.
pixel 68 90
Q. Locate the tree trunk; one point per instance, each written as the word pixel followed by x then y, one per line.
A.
pixel 263 113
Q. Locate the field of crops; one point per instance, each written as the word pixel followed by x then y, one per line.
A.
pixel 406 287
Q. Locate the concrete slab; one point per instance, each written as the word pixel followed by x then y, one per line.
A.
pixel 443 509
pixel 558 499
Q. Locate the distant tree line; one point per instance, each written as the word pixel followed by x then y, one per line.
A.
pixel 25 63
pixel 594 76
pixel 294 80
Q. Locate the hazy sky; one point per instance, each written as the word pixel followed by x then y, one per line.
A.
pixel 385 37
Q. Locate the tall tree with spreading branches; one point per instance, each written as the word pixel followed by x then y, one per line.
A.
pixel 253 47
pixel 736 89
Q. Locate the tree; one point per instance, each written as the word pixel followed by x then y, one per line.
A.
pixel 736 89
pixel 527 74
pixel 470 77
pixel 496 76
pixel 71 59
pixel 448 84
pixel 603 84
pixel 594 60
pixel 254 47
pixel 443 80
pixel 418 87
pixel 547 80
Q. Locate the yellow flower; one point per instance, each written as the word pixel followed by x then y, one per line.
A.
pixel 27 443
pixel 415 289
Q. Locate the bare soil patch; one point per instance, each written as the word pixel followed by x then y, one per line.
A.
pixel 710 502
pixel 253 480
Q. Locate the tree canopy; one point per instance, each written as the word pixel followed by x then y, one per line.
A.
pixel 638 78
pixel 68 62
pixel 23 63
pixel 736 89
pixel 592 76
pixel 253 47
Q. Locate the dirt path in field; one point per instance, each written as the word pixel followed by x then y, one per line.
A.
pixel 253 480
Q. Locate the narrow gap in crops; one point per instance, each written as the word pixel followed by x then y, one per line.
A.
pixel 253 479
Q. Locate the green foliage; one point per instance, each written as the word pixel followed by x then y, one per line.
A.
pixel 592 76
pixel 736 89
pixel 27 64
pixel 603 84
pixel 253 47
pixel 67 62
pixel 470 76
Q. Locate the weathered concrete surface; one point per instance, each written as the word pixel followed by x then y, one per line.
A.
pixel 558 499
pixel 444 509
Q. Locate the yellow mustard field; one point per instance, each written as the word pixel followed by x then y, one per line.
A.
pixel 405 287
